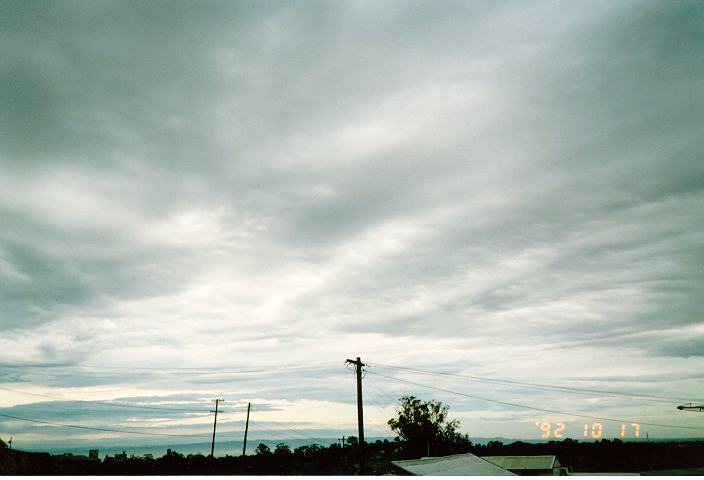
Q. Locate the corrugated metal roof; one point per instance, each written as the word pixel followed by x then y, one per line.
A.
pixel 463 464
pixel 606 474
pixel 524 462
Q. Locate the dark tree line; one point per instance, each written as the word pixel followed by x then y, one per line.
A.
pixel 600 456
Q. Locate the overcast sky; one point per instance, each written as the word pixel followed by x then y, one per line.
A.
pixel 207 200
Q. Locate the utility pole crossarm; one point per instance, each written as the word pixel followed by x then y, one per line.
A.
pixel 689 406
pixel 354 362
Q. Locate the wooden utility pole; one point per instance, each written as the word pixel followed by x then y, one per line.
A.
pixel 244 444
pixel 246 428
pixel 215 423
pixel 360 414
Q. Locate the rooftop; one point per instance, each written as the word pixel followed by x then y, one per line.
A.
pixel 463 464
pixel 524 462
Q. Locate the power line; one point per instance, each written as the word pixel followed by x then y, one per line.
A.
pixel 105 402
pixel 272 432
pixel 231 420
pixel 518 405
pixel 100 429
pixel 539 386
pixel 389 400
pixel 287 428
pixel 115 430
pixel 386 411
pixel 373 399
pixel 192 370
pixel 536 385
pixel 301 434
pixel 278 432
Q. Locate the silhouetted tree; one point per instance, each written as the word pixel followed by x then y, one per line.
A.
pixel 425 426
pixel 262 450
pixel 282 450
pixel 283 457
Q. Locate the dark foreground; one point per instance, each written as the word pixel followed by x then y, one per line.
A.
pixel 602 456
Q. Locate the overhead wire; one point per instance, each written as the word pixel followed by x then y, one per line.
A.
pixel 539 386
pixel 285 427
pixel 230 420
pixel 49 373
pixel 214 370
pixel 252 422
pixel 190 370
pixel 302 434
pixel 545 410
pixel 353 370
pixel 149 407
pixel 382 410
pixel 271 432
pixel 388 399
pixel 375 402
pixel 100 429
pixel 106 402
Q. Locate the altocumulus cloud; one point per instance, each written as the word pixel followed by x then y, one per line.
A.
pixel 494 188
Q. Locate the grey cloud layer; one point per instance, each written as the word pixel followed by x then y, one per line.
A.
pixel 228 182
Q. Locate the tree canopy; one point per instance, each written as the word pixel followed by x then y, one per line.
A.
pixel 425 427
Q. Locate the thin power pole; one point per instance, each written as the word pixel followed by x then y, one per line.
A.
pixel 360 413
pixel 246 428
pixel 215 423
pixel 244 445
